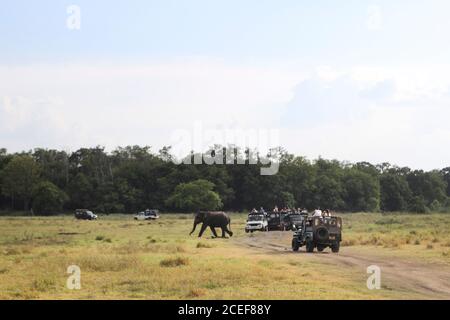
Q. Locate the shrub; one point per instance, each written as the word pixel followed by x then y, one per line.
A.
pixel 104 263
pixel 204 245
pixel 417 205
pixel 195 293
pixel 348 242
pixel 387 221
pixel 48 198
pixel 44 284
pixel 174 262
pixel 195 195
pixel 436 206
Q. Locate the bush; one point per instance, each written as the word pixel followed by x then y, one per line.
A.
pixel 204 245
pixel 195 195
pixel 48 198
pixel 417 205
pixel 174 262
pixel 436 206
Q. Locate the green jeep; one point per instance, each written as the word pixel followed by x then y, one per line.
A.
pixel 318 232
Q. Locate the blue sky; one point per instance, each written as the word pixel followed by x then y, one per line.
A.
pixel 238 30
pixel 371 79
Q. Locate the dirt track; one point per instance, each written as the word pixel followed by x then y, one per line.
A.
pixel 427 281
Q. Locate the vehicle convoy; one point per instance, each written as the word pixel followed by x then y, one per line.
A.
pixel 317 232
pixel 147 215
pixel 84 214
pixel 275 221
pixel 256 222
pixel 292 219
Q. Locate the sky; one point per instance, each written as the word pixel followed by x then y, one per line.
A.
pixel 348 80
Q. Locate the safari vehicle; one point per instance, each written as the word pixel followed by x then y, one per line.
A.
pixel 147 215
pixel 256 222
pixel 318 232
pixel 84 214
pixel 276 221
pixel 293 219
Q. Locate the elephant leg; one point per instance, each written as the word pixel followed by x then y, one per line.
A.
pixel 228 231
pixel 223 232
pixel 213 231
pixel 202 230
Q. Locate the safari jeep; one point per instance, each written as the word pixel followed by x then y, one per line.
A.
pixel 84 214
pixel 318 232
pixel 147 215
pixel 256 222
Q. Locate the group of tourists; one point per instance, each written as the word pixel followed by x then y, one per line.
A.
pixel 290 210
pixel 287 210
pixel 320 213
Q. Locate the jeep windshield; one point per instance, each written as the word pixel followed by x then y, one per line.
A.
pixel 256 218
pixel 296 218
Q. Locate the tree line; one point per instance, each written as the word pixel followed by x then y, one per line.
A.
pixel 130 179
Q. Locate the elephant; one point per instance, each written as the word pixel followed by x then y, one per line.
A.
pixel 213 220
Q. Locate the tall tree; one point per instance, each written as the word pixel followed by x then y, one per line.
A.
pixel 196 195
pixel 395 192
pixel 19 178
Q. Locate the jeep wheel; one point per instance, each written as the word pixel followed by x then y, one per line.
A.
pixel 295 245
pixel 322 234
pixel 246 231
pixel 335 247
pixel 309 246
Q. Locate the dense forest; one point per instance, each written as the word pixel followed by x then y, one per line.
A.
pixel 133 178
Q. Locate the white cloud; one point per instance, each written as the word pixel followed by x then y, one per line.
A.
pixel 357 120
pixel 85 105
pixel 363 113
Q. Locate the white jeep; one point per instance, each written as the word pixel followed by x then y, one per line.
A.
pixel 256 222
pixel 147 215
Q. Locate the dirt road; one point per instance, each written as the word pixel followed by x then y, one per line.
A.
pixel 425 280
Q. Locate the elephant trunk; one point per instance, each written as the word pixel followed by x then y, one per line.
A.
pixel 193 229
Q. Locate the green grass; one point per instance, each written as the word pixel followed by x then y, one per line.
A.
pixel 123 258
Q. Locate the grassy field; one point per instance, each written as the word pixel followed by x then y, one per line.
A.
pixel 125 259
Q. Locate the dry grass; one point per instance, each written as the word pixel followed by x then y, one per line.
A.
pixel 174 262
pixel 120 258
pixel 204 245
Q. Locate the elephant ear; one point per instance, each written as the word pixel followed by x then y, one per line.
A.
pixel 201 215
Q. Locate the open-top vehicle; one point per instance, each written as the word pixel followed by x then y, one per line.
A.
pixel 293 219
pixel 256 222
pixel 147 215
pixel 277 220
pixel 84 214
pixel 318 232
